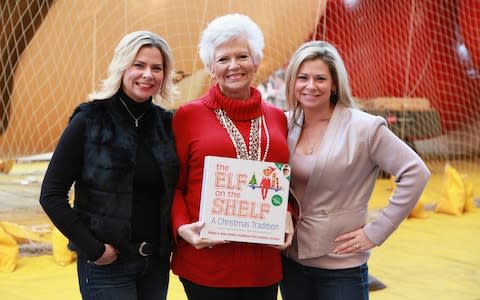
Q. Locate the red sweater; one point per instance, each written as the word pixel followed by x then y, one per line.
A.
pixel 198 133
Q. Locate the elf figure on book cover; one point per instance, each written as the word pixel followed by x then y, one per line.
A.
pixel 266 182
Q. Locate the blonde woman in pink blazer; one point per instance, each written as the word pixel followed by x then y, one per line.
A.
pixel 336 152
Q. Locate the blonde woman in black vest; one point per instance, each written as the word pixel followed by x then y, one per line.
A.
pixel 118 151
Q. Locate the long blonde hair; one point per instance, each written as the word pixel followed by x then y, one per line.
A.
pixel 123 57
pixel 329 55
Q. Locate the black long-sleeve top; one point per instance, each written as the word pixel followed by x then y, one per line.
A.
pixel 65 167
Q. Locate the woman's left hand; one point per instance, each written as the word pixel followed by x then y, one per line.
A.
pixel 353 242
pixel 288 232
pixel 191 234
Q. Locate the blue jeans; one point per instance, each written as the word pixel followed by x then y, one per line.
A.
pixel 302 282
pixel 133 277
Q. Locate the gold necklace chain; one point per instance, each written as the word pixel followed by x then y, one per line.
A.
pixel 313 147
pixel 130 113
pixel 318 138
pixel 254 151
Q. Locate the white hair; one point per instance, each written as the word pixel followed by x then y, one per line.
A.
pixel 227 28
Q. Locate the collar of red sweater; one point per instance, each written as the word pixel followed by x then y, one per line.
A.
pixel 236 109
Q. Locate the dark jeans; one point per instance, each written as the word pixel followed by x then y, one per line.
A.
pixel 302 282
pixel 133 277
pixel 199 292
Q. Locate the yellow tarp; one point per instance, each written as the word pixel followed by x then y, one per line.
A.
pixel 8 252
pixel 436 257
pixel 433 258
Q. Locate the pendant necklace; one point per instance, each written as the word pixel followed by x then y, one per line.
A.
pixel 314 146
pixel 253 152
pixel 320 137
pixel 130 113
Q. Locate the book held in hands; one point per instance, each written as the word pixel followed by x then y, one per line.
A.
pixel 244 200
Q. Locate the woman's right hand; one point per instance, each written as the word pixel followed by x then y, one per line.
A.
pixel 109 256
pixel 191 234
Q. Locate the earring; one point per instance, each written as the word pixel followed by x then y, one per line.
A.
pixel 333 97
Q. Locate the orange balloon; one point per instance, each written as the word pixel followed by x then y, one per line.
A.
pixel 70 52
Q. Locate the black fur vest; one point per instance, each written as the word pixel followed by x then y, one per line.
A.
pixel 103 193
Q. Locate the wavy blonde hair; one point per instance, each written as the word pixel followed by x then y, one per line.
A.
pixel 329 55
pixel 123 57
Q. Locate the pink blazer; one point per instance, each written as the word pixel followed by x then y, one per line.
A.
pixel 354 147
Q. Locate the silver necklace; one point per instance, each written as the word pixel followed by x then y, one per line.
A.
pixel 130 113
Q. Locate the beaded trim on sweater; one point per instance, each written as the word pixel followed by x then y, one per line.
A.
pixel 227 109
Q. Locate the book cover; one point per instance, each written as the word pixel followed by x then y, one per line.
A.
pixel 244 200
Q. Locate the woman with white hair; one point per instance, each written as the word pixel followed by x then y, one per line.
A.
pixel 226 122
pixel 119 151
